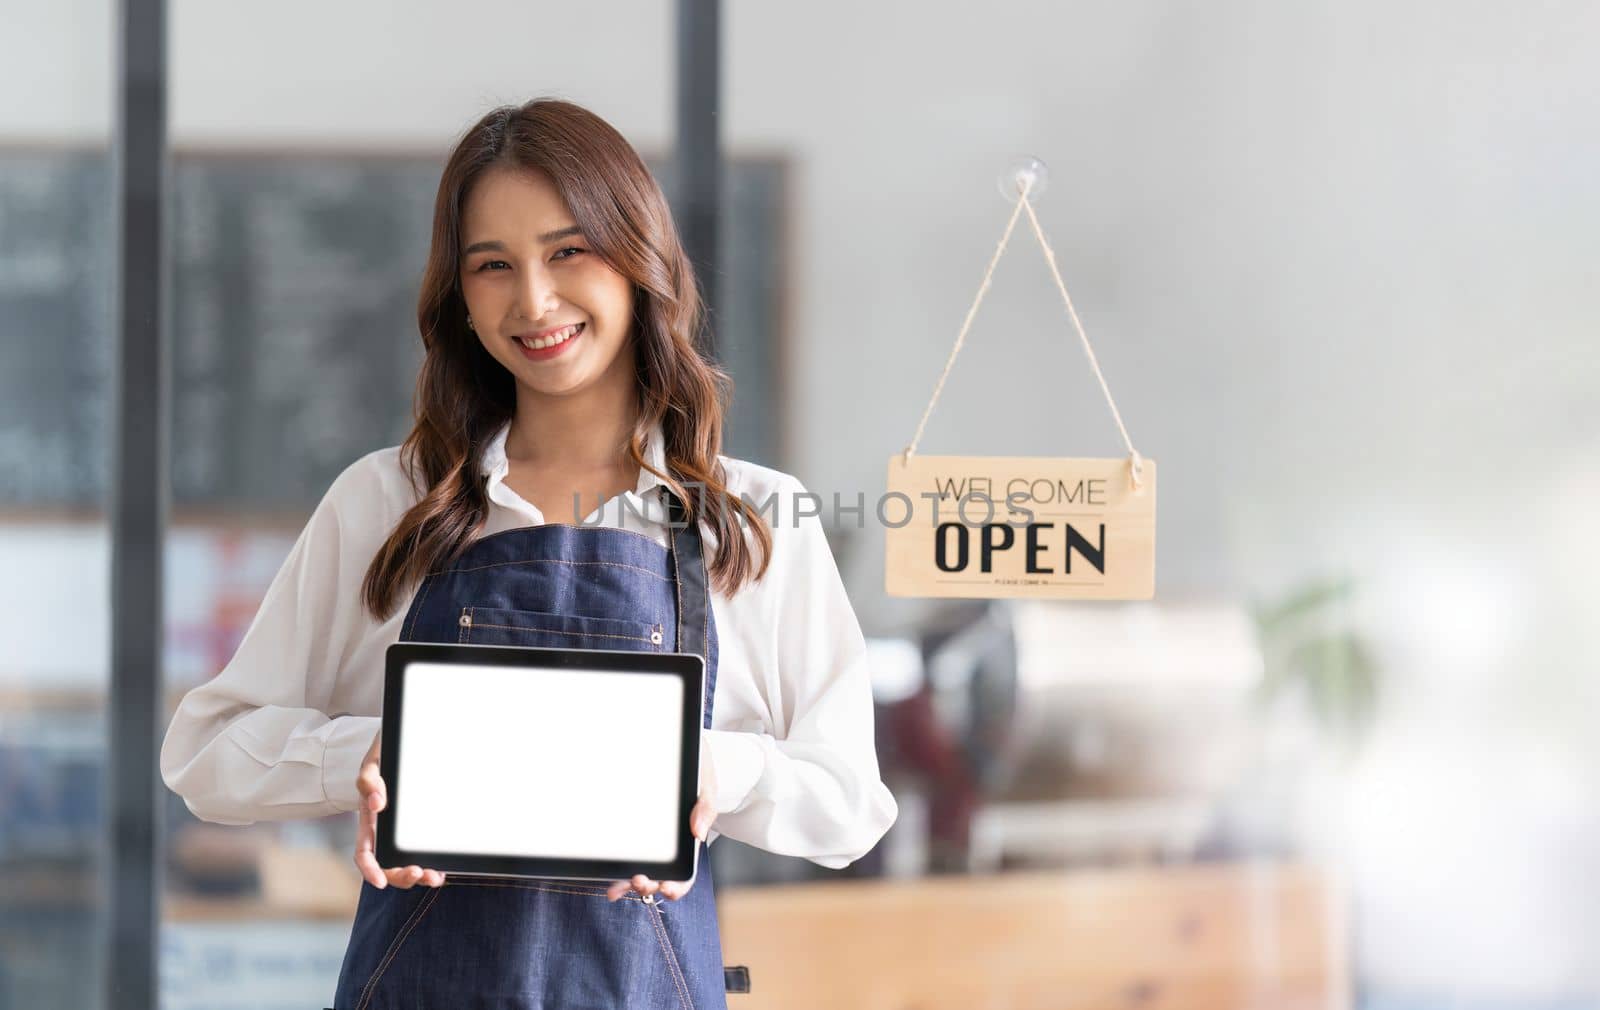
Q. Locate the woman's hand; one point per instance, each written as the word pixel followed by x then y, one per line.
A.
pixel 700 819
pixel 374 797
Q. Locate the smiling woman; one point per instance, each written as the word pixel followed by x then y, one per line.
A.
pixel 533 287
pixel 547 218
pixel 561 324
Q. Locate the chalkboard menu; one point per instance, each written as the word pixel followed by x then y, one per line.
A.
pixel 294 281
pixel 56 274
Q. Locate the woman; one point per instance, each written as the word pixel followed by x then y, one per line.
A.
pixel 559 316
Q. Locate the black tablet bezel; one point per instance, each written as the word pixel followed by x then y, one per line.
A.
pixel 688 666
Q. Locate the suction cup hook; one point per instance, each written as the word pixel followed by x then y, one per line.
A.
pixel 1026 175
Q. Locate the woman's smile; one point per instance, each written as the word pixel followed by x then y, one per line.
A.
pixel 546 344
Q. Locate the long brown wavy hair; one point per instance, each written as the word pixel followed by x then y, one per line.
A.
pixel 464 395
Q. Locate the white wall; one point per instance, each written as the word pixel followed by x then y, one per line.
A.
pixel 1333 256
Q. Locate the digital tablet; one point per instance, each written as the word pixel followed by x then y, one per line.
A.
pixel 578 764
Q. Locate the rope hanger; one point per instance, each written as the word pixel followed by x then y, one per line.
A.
pixel 1026 179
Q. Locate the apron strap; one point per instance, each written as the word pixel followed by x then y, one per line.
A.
pixel 689 574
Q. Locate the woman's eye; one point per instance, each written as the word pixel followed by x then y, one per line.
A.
pixel 490 264
pixel 564 253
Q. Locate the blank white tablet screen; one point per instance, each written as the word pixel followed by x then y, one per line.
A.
pixel 580 764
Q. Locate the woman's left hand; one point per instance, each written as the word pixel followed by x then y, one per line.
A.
pixel 700 819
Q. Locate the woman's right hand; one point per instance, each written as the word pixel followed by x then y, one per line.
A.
pixel 374 797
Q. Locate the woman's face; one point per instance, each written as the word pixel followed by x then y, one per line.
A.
pixel 541 301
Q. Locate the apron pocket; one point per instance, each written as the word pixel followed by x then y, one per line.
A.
pixel 494 626
pixel 670 956
pixel 427 901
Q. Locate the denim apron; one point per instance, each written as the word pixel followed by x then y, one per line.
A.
pixel 508 943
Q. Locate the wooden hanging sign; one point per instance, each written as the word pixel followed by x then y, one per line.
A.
pixel 1020 526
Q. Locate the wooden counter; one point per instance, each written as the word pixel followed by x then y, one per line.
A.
pixel 1196 937
pixel 1191 937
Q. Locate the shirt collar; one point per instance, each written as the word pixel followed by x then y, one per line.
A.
pixel 494 465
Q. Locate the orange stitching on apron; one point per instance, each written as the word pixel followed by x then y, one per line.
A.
pixel 394 948
pixel 556 631
pixel 411 620
pixel 677 581
pixel 572 526
pixel 535 887
pixel 705 645
pixel 672 958
pixel 552 561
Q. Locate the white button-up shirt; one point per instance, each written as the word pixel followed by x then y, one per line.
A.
pixel 281 731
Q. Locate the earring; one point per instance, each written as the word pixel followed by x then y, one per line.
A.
pixel 469 320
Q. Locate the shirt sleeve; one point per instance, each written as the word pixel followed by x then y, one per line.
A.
pixel 257 742
pixel 812 788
